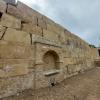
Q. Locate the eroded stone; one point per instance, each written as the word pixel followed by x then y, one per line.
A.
pixel 3 6
pixel 14 35
pixel 33 29
pixel 10 21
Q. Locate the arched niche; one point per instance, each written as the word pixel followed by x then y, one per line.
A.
pixel 50 61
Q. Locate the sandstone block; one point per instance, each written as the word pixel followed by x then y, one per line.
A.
pixel 62 37
pixel 42 24
pixel 15 67
pixel 41 80
pixel 2 74
pixel 68 61
pixel 12 10
pixel 55 28
pixel 12 85
pixel 14 35
pixel 13 2
pixel 3 6
pixel 67 34
pixel 32 29
pixel 12 51
pixel 71 69
pixel 10 21
pixel 1 63
pixel 26 13
pixel 2 30
pixel 50 35
pixel 48 21
pixel 21 14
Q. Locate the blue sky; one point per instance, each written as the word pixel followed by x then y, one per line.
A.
pixel 81 17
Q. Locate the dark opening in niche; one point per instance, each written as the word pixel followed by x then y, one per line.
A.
pixel 52 84
pixel 1 14
pixel 99 52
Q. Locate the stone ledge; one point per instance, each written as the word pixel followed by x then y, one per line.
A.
pixel 39 39
pixel 51 72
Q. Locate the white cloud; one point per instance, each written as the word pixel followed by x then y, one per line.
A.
pixel 40 3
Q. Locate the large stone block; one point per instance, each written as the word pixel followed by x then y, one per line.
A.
pixel 50 35
pixel 1 63
pixel 67 34
pixel 41 80
pixel 13 51
pixel 42 24
pixel 68 61
pixel 62 38
pixel 32 29
pixel 26 12
pixel 10 21
pixel 15 67
pixel 3 6
pixel 12 10
pixel 55 28
pixel 48 20
pixel 13 85
pixel 21 14
pixel 2 31
pixel 13 2
pixel 13 35
pixel 72 69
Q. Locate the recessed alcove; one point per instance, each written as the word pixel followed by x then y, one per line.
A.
pixel 1 14
pixel 99 52
pixel 51 61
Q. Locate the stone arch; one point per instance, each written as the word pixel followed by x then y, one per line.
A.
pixel 50 60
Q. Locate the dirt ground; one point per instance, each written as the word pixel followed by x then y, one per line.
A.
pixel 85 86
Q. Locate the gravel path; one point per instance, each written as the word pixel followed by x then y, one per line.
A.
pixel 81 87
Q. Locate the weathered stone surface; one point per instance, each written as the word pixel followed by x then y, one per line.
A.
pixel 42 24
pixel 17 12
pixel 44 81
pixel 12 10
pixel 32 44
pixel 32 29
pixel 13 85
pixel 67 34
pixel 13 35
pixel 13 51
pixel 10 21
pixel 62 38
pixel 48 20
pixel 15 67
pixel 13 2
pixel 3 6
pixel 54 27
pixel 68 61
pixel 2 31
pixel 72 69
pixel 50 35
pixel 26 12
pixel 1 63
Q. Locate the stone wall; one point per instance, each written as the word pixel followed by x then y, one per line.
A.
pixel 25 37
